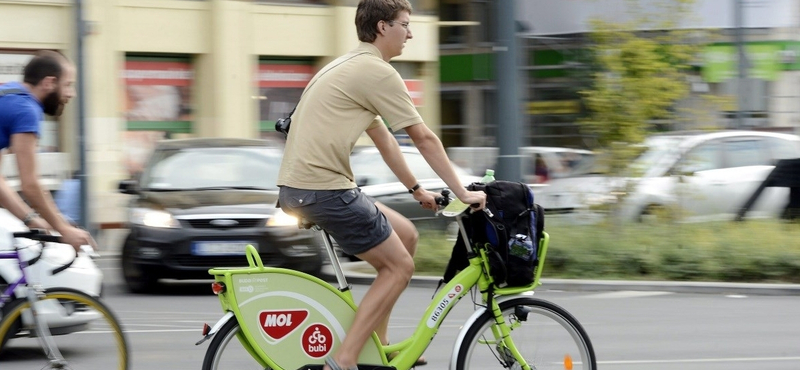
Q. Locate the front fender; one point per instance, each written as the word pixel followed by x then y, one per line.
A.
pixel 471 321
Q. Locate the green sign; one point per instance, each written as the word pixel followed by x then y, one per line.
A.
pixel 763 61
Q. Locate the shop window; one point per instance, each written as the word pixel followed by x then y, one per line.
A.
pixel 158 96
pixel 280 85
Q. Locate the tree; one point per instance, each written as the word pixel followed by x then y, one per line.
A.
pixel 639 73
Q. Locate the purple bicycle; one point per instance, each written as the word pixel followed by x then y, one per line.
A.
pixel 34 319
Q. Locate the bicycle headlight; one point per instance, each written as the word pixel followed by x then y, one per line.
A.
pixel 153 218
pixel 280 218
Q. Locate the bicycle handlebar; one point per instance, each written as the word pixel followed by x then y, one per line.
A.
pixel 43 236
pixel 38 234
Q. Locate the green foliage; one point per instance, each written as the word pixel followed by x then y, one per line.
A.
pixel 637 76
pixel 750 251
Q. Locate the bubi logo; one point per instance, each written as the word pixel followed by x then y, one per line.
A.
pixel 279 323
pixel 317 340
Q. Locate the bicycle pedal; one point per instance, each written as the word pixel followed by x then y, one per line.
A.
pixel 360 367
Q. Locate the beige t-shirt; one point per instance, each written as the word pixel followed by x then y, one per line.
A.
pixel 335 109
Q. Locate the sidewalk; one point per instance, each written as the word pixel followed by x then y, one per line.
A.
pixel 361 273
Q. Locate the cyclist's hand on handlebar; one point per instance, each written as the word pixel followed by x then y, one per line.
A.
pixel 77 237
pixel 427 199
pixel 476 199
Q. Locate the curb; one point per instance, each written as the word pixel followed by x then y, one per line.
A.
pixel 356 277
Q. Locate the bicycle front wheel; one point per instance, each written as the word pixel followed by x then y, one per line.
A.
pixel 83 330
pixel 226 351
pixel 546 335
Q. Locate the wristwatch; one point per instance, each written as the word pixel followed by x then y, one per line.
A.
pixel 413 189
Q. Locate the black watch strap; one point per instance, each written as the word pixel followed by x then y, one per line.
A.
pixel 413 189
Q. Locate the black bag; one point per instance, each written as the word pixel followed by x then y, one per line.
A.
pixel 512 233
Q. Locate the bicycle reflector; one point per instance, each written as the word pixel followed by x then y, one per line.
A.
pixel 217 287
pixel 567 362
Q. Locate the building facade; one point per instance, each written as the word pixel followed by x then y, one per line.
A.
pixel 553 39
pixel 155 69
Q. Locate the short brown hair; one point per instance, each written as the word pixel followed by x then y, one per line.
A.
pixel 370 12
pixel 46 63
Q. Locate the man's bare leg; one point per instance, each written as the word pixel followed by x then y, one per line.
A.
pixel 408 234
pixel 394 266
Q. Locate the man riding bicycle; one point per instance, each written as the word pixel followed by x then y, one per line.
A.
pixel 46 87
pixel 352 95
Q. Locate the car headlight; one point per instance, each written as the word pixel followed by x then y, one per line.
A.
pixel 153 218
pixel 280 218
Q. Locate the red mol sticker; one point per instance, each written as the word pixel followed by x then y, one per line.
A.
pixel 317 341
pixel 278 324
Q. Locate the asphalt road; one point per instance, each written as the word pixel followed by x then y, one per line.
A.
pixel 629 329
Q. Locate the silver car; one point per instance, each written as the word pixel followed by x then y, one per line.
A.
pixel 694 176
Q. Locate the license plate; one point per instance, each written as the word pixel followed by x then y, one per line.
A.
pixel 220 248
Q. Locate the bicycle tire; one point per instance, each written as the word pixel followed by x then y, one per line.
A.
pixel 549 338
pixel 226 352
pixel 85 331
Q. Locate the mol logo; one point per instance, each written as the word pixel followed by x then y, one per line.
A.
pixel 280 323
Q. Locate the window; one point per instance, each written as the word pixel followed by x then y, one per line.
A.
pixel 748 152
pixel 704 157
pixel 782 149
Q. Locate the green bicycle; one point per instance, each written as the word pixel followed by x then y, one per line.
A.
pixel 283 319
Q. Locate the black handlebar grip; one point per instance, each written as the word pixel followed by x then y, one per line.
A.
pixel 37 234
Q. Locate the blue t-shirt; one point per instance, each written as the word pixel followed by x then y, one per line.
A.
pixel 20 112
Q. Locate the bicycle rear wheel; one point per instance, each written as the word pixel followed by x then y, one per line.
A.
pixel 546 335
pixel 226 351
pixel 83 329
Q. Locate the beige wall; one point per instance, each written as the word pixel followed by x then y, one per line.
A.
pixel 223 38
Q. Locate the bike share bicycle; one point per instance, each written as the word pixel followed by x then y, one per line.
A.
pixel 281 319
pixel 33 319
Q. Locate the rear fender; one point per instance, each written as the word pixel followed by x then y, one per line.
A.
pixel 214 329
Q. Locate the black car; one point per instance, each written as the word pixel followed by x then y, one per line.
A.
pixel 199 202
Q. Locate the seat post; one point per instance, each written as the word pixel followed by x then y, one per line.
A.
pixel 335 264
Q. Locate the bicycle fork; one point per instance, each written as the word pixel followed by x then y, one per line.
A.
pixel 506 348
pixel 49 346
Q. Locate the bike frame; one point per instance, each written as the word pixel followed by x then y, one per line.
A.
pixel 43 332
pixel 409 349
pixel 6 297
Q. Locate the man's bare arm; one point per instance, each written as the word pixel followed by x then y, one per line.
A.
pixel 432 150
pixel 24 147
pixel 390 151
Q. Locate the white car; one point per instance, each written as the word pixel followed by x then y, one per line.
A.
pixel 697 175
pixel 556 162
pixel 82 275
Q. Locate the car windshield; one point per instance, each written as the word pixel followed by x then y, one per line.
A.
pixel 370 169
pixel 212 168
pixel 658 149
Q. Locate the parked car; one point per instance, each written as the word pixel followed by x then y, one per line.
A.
pixel 376 179
pixel 693 176
pixel 199 202
pixel 539 164
pixel 82 275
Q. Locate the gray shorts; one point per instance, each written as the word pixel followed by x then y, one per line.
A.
pixel 347 215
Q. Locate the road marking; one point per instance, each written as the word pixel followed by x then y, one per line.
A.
pixel 700 360
pixel 627 294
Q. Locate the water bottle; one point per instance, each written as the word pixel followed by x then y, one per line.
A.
pixel 488 177
pixel 520 246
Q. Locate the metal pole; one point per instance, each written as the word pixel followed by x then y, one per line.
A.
pixel 508 96
pixel 80 91
pixel 742 65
